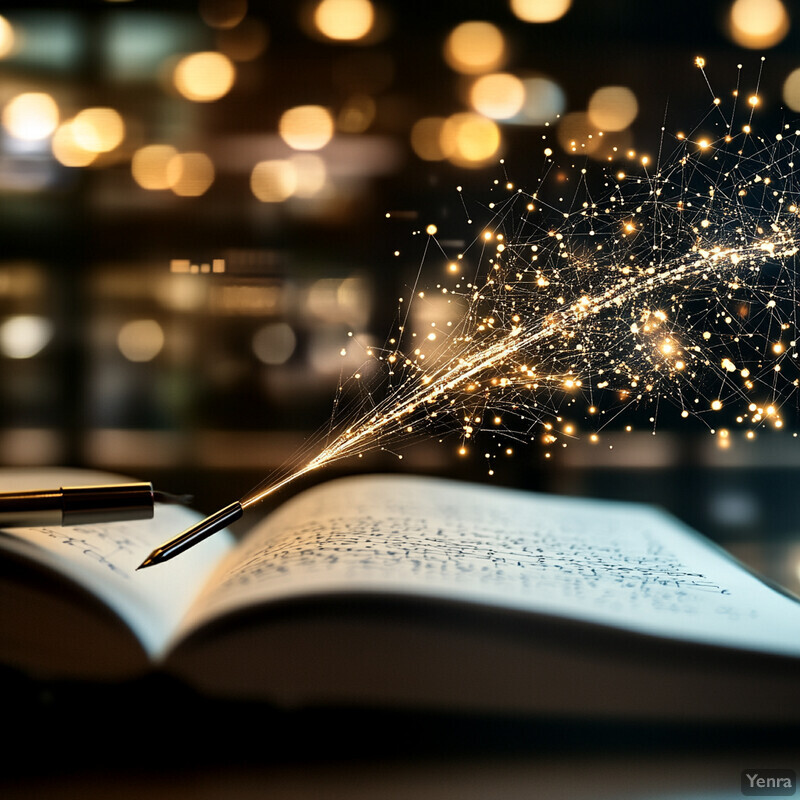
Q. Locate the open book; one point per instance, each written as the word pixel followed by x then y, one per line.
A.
pixel 411 592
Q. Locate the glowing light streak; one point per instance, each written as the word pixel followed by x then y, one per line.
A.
pixel 664 288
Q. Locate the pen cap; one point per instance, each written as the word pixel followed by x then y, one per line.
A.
pixel 84 505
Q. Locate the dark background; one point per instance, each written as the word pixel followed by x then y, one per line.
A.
pixel 87 250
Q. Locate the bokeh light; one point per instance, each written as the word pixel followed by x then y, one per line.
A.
pixel 306 127
pixel 475 47
pixel 499 95
pixel 426 138
pixel 190 174
pixel 613 108
pixel 274 343
pixel 758 23
pixel 469 139
pixel 544 101
pixel 540 10
pixel 357 114
pixel 98 130
pixel 204 77
pixel 222 14
pixel 67 150
pixel 246 42
pixel 311 174
pixel 140 340
pixel 31 116
pixel 149 166
pixel 791 90
pixel 344 20
pixel 273 181
pixel 25 335
pixel 7 38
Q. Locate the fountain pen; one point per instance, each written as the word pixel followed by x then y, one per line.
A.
pixel 82 505
pixel 196 533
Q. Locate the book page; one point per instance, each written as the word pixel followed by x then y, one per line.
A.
pixel 103 558
pixel 611 563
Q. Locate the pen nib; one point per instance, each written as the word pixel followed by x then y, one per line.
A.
pixel 194 535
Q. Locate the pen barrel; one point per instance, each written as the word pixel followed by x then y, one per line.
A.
pixel 30 509
pixel 80 505
pixel 85 505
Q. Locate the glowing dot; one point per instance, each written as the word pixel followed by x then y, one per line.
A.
pixel 716 405
pixel 190 174
pixel 31 116
pixel 431 230
pixel 499 95
pixel 306 127
pixel 149 166
pixel 140 340
pixel 344 20
pixel 475 47
pixel 576 133
pixel 273 181
pixel 777 348
pixel 700 62
pixel 753 100
pixel 613 108
pixel 98 130
pixel 204 77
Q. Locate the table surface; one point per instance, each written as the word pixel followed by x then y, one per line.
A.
pixel 100 742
